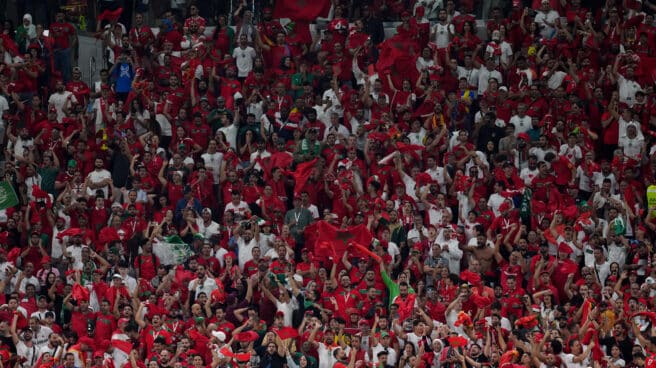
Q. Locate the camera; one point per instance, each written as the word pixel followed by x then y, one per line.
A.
pixel 246 225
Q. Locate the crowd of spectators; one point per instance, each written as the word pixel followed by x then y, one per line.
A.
pixel 166 212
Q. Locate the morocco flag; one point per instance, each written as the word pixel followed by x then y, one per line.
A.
pixel 301 10
pixel 327 240
pixel 302 174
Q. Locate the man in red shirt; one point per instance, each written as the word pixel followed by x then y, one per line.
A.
pixel 64 36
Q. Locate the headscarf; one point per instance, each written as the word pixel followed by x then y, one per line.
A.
pixel 29 29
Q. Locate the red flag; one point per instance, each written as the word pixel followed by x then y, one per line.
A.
pixel 287 333
pixel 390 50
pixel 110 15
pixel 508 357
pixel 13 254
pixel 403 147
pixel 302 174
pixel 183 276
pixel 326 239
pixel 247 336
pixel 301 10
pixel 463 319
pixel 124 346
pixel 279 159
pixel 226 352
pixel 471 277
pixel 457 341
pixel 107 235
pixel 73 231
pixel 80 292
pixel 366 251
pixel 528 321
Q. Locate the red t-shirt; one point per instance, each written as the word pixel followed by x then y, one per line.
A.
pixel 61 33
pixel 147 265
pixel 105 325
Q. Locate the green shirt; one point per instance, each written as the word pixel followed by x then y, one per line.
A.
pixel 48 176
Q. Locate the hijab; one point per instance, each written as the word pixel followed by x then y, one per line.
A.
pixel 30 29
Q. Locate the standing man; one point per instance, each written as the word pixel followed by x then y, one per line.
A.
pixel 64 36
pixel 297 219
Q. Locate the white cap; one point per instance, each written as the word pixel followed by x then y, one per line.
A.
pixel 503 88
pixel 220 335
pixel 116 275
pixel 650 280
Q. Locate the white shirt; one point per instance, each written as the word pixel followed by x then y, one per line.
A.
pixel 568 360
pixel 470 74
pixel 97 176
pixel 632 147
pixel 58 99
pixel 213 162
pixel 484 75
pixel 413 234
pixel 75 253
pixel 212 228
pixel 244 60
pixel 240 209
pixel 314 210
pixel 528 175
pixel 556 79
pixel 27 352
pixel 339 131
pixel 506 52
pixel 207 286
pixel 26 280
pixel 437 174
pixel 163 122
pixel 4 106
pixel 453 254
pixel 336 105
pixel 41 337
pixel 494 202
pixel 571 153
pixel 584 179
pixel 542 18
pixel 245 251
pixel 443 34
pixel 48 349
pixel 522 124
pixel 19 144
pixel 417 137
pixel 230 133
pixel 627 90
pixel 287 310
pixel 262 155
pixel 423 64
pixel 391 355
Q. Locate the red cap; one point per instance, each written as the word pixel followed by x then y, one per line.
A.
pixel 505 206
pixel 98 354
pixel 564 248
pixel 523 136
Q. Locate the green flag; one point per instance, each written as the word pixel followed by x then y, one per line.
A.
pixel 8 196
pixel 172 250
